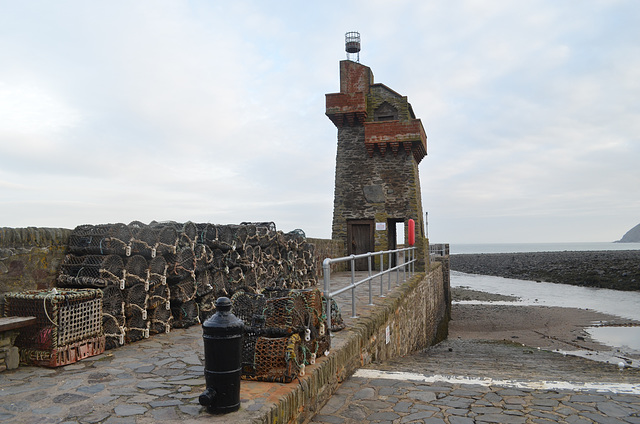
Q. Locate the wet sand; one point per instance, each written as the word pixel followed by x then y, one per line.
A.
pixel 545 327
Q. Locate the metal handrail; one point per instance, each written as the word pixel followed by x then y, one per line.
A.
pixel 326 268
pixel 440 249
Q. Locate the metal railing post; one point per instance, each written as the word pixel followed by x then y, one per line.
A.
pixel 397 268
pixel 382 275
pixel 353 287
pixel 413 263
pixel 408 266
pixel 370 289
pixel 326 270
pixel 389 273
pixel 404 266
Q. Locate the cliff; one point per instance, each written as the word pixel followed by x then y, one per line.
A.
pixel 631 236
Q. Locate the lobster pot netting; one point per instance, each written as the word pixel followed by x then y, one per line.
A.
pixel 314 315
pixel 136 270
pixel 249 307
pixel 337 323
pixel 317 346
pixel 205 282
pixel 167 240
pixel 249 339
pixel 183 291
pixel 158 294
pixel 226 237
pixel 188 235
pixel 182 264
pixel 206 306
pixel 185 266
pixel 185 314
pixel 203 257
pixel 114 330
pixel 286 315
pixel 251 278
pixel 105 239
pixel 112 301
pixel 160 318
pixel 221 284
pixel 90 271
pixel 236 277
pixel 278 359
pixel 66 321
pixel 62 318
pixel 136 300
pixel 218 259
pixel 314 333
pixel 206 233
pixel 157 270
pixel 144 240
pixel 137 325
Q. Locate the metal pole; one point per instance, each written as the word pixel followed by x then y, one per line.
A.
pixel 326 271
pixel 397 268
pixel 404 265
pixel 381 275
pixel 413 263
pixel 370 289
pixel 389 273
pixel 353 289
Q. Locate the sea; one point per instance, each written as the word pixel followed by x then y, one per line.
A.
pixel 626 305
pixel 458 248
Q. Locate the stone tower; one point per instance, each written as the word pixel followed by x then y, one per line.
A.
pixel 380 144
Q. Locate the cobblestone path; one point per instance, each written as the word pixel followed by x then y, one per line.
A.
pixel 470 381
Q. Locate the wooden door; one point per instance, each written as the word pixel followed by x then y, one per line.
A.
pixel 360 235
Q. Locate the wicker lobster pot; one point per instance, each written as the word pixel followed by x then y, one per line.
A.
pixel 68 326
pixel 276 359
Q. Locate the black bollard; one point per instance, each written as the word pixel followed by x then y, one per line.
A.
pixel 222 335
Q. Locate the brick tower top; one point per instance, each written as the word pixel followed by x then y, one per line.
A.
pixel 387 116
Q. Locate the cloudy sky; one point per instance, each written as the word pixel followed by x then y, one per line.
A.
pixel 213 111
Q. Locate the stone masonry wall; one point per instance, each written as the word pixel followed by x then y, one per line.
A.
pixel 9 356
pixel 416 315
pixel 325 248
pixel 30 257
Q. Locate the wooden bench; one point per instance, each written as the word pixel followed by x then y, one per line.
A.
pixel 14 323
pixel 9 328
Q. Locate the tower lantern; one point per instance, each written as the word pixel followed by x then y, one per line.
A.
pixel 352 45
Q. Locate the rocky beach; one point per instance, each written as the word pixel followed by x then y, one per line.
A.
pixel 618 270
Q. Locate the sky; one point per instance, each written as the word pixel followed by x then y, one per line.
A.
pixel 212 111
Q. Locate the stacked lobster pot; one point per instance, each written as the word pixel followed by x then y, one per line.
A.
pixel 167 274
pixel 123 264
pixel 285 330
pixel 105 273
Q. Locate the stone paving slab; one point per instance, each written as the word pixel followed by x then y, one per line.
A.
pixel 153 380
pixel 474 381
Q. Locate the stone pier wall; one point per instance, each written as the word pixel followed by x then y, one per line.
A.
pixel 326 248
pixel 30 257
pixel 416 314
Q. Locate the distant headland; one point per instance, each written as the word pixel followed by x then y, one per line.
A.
pixel 631 236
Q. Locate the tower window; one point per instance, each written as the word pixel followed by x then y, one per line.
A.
pixel 385 112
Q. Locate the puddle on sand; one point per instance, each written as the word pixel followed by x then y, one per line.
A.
pixel 616 357
pixel 623 341
pixel 627 338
